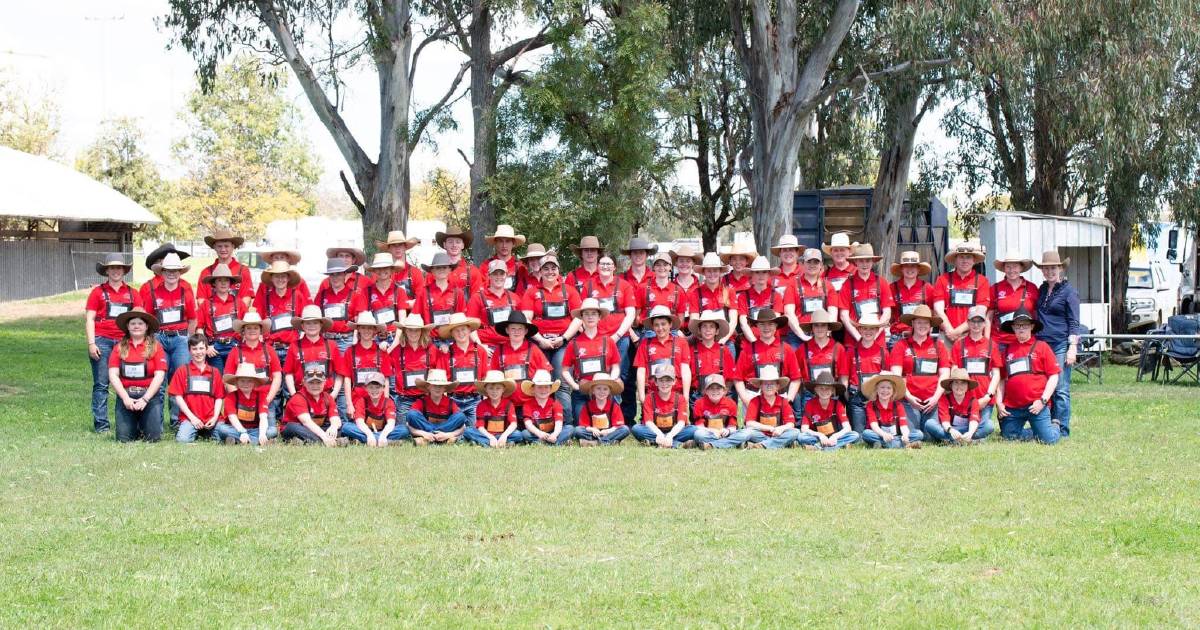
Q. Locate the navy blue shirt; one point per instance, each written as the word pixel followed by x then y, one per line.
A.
pixel 1058 311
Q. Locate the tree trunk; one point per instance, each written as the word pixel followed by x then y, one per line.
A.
pixel 1121 211
pixel 1049 157
pixel 891 184
pixel 483 117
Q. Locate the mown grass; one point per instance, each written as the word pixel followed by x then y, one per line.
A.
pixel 1100 530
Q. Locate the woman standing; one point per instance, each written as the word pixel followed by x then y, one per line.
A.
pixel 105 303
pixel 1058 313
pixel 1011 294
pixel 136 369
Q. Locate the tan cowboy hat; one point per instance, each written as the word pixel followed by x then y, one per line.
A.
pixel 434 377
pixel 870 320
pixel 457 320
pixel 495 377
pixel 639 244
pixel 958 375
pixel 244 370
pixel 821 317
pixel 455 231
pixel 293 256
pixel 840 239
pixel 115 259
pixel 312 313
pixel 897 381
pixel 787 241
pixel 590 304
pixel 252 318
pixel 281 267
pixel 686 251
pixel 769 373
pixel 712 317
pixel 170 262
pixel 137 313
pixel 1013 256
pixel 713 379
pixel 661 311
pixel 969 247
pixel 922 311
pixel 396 237
pixel 535 250
pixel 223 234
pixel 911 258
pixel 1051 258
pixel 382 260
pixel 825 378
pixel 762 264
pixel 359 257
pixel 413 321
pixel 587 242
pixel 864 251
pixel 614 385
pixel 506 231
pixel 540 377
pixel 712 260
pixel 739 249
pixel 366 319
pixel 220 271
pixel 768 315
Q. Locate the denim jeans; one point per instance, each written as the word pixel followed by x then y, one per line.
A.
pixel 146 424
pixel 578 401
pixel 226 431
pixel 100 384
pixel 398 432
pixel 918 418
pixel 527 437
pixel 218 360
pixel 1060 400
pixel 275 409
pixel 856 410
pixel 782 440
pixel 175 347
pixel 467 404
pixel 935 432
pixel 801 399
pixel 874 439
pixel 188 433
pixel 476 436
pixel 792 340
pixel 1041 426
pixel 296 430
pixel 629 406
pixel 618 434
pixel 418 422
pixel 843 440
pixel 563 395
pixel 704 435
pixel 646 435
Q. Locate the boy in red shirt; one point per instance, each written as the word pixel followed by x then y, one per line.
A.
pixel 770 420
pixel 958 420
pixel 496 415
pixel 198 391
pixel 434 418
pixel 600 418
pixel 664 413
pixel 310 415
pixel 715 417
pixel 542 413
pixel 246 419
pixel 662 349
pixel 887 420
pixel 375 415
pixel 824 425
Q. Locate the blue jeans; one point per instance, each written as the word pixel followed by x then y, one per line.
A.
pixel 563 395
pixel 856 410
pixel 801 399
pixel 175 347
pixel 735 439
pixel 418 422
pixel 527 437
pixel 918 418
pixel 398 432
pixel 782 440
pixel 1041 426
pixel 188 433
pixel 403 404
pixel 791 340
pixel 297 431
pixel 100 384
pixel 467 404
pixel 933 429
pixel 275 409
pixel 146 424
pixel 843 440
pixel 645 434
pixel 629 407
pixel 226 431
pixel 476 436
pixel 222 349
pixel 1060 400
pixel 874 439
pixel 618 434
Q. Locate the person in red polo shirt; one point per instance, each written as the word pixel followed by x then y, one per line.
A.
pixel 1011 293
pixel 620 298
pixel 589 251
pixel 923 362
pixel 639 250
pixel 685 259
pixel 769 417
pixel 532 259
pixel 411 360
pixel 543 416
pixel 766 351
pixel 759 295
pixel 246 417
pixel 434 418
pixel 909 291
pixel 739 257
pixel 503 242
pixel 492 305
pixel 310 415
pixel 198 391
pixel 982 358
pixel 169 299
pixel 818 355
pixel 361 360
pixel 1031 374
pixel 466 363
pixel 375 421
pixel 664 413
pixel 218 312
pixel 404 275
pixel 865 293
pixel 600 419
pixel 714 298
pixel 353 259
pixel 137 367
pixel 887 420
pixel 252 328
pixel 496 416
pixel 715 416
pixel 386 301
pixel 313 352
pixel 548 305
pixel 463 275
pixel 224 242
pixel 824 426
pixel 518 358
pixel 105 303
pixel 708 355
pixel 587 355
pixel 664 348
pixel 660 291
pixel 287 259
pixel 813 293
pixel 956 292
pixel 788 249
pixel 839 250
pixel 867 357
pixel 279 303
pixel 440 298
pixel 334 298
pixel 958 420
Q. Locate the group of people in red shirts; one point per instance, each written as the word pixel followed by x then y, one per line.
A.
pixel 818 350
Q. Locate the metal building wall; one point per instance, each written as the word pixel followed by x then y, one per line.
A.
pixel 37 268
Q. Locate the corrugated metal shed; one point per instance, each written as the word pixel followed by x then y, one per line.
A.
pixel 33 187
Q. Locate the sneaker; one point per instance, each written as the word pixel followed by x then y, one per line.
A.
pixel 755 445
pixel 230 441
pixel 343 441
pixel 688 444
pixel 588 443
pixel 705 446
pixel 914 445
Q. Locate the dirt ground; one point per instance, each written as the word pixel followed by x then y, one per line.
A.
pixel 59 306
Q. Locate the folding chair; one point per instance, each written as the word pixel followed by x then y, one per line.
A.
pixel 1088 359
pixel 1151 358
pixel 1183 352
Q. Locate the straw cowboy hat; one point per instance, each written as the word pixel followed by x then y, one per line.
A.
pixel 614 385
pixel 457 320
pixel 768 315
pixel 639 244
pixel 911 258
pixel 958 375
pixel 434 377
pixel 312 313
pixel 686 251
pixel 897 381
pixel 161 251
pixel 396 237
pixel 455 232
pixel 870 320
pixel 762 264
pixel 382 260
pixel 244 370
pixel 1013 256
pixel 921 312
pixel 712 260
pixel 115 259
pixel 864 251
pixel 495 377
pixel 251 318
pixel 540 377
pixel 739 249
pixel 170 262
pixel 1022 315
pixel 223 234
pixel 137 313
pixel 335 265
pixel 281 267
pixel 590 304
pixel 535 250
pixel 787 241
pixel 220 271
pixel 506 231
pixel 822 317
pixel 440 259
pixel 293 256
pixel 366 319
pixel 661 311
pixel 840 239
pixel 359 257
pixel 516 317
pixel 711 317
pixel 714 379
pixel 587 242
pixel 413 321
pixel 970 248
pixel 769 373
pixel 826 379
pixel 1050 258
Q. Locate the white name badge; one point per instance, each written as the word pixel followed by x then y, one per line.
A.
pixel 925 367
pixel 556 311
pixel 976 366
pixel 361 376
pixel 516 373
pixel 510 282
pixel 223 323
pixel 172 315
pixel 117 309
pixel 817 371
pixel 591 366
pixel 609 303
pixel 813 304
pixel 410 379
pixel 464 375
pixel 499 315
pixel 133 370
pixel 1018 366
pixel 335 311
pixel 908 309
pixel 199 385
pixel 441 319
pixel 870 307
pixel 282 321
pixel 384 315
pixel 962 297
pixel 1007 317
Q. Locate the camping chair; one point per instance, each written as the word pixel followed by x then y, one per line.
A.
pixel 1183 352
pixel 1150 360
pixel 1088 359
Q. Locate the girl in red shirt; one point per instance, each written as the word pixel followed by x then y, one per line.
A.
pixel 825 425
pixel 411 359
pixel 496 415
pixel 466 362
pixel 600 418
pixel 104 304
pixel 219 310
pixel 958 421
pixel 886 417
pixel 136 370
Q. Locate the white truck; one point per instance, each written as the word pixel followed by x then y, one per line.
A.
pixel 1165 273
pixel 1150 298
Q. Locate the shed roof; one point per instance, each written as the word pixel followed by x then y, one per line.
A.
pixel 34 187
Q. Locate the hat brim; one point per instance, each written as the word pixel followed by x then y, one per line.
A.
pixel 778 320
pixel 1008 325
pixel 501 328
pixel 933 319
pixel 425 327
pixel 1064 263
pixel 527 387
pixel 293 256
pixel 213 279
pixel 157 268
pixel 724 269
pixel 578 313
pixel 410 243
pixel 615 387
pixel 977 255
pixel 509 386
pixel 577 248
pixel 1026 264
pixel 358 255
pixel 350 269
pixel 232 379
pixel 292 274
pixel 326 323
pixel 236 240
pixel 239 324
pixel 838 388
pixel 947 382
pixel 152 324
pixel 722 327
pixel 807 326
pixel 857 259
pixel 775 249
pixel 378 327
pixel 650 249
pixel 828 249
pixel 782 380
pixel 102 268
pixel 924 268
pixel 869 387
pixel 648 323
pixel 728 255
pixel 517 239
pixel 695 258
pixel 470 322
pixel 529 256
pixel 440 238
pixel 423 384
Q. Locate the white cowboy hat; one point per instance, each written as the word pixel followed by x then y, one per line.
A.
pixel 711 317
pixel 541 377
pixel 911 258
pixel 358 255
pixel 434 377
pixel 505 231
pixel 787 241
pixel 496 377
pixel 396 237
pixel 382 260
pixel 590 304
pixel 253 319
pixel 312 313
pixel 457 320
pixel 712 260
pixel 244 370
pixel 762 264
pixel 281 267
pixel 413 321
pixel 739 249
pixel 614 385
pixel 660 312
pixel 769 373
pixel 170 262
pixel 685 251
pixel 366 319
pixel 840 239
pixel 897 381
pixel 969 248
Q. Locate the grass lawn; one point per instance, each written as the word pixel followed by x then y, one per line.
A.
pixel 1103 529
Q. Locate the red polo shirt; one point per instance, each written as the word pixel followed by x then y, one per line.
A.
pixel 490 307
pixel 519 364
pixel 714 359
pixel 814 359
pixel 516 280
pixel 587 356
pixel 336 306
pixel 409 278
pixel 579 277
pixel 968 407
pixel 866 362
pixel 715 415
pixel 616 296
pixel 246 408
pixel 201 388
pixel 907 300
pixel 360 362
pixel 929 356
pixel 436 304
pixel 217 315
pixel 322 351
pixel 1007 300
pixel 720 299
pixel 409 363
pixel 262 357
pixel 787 278
pixel 635 282
pixel 264 288
pixel 837 277
pixel 737 283
pixel 543 415
pixel 857 294
pixel 135 361
pixel 753 299
pixel 551 306
pixel 691 295
pixel 466 366
pixel 655 350
pixel 887 417
pixel 495 419
pixel 464 275
pixel 978 357
pixel 243 286
pixel 653 294
pixel 321 408
pixel 813 296
pixel 280 309
pixel 384 305
pixel 435 412
pixel 593 415
pixel 107 303
pixel 817 415
pixel 172 308
pixel 1021 389
pixel 375 414
pixel 775 413
pixel 757 354
pixel 664 413
pixel 960 293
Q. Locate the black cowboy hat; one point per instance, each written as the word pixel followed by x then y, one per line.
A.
pixel 1021 315
pixel 516 317
pixel 161 252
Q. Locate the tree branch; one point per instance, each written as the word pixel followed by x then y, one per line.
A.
pixel 514 51
pixel 455 21
pixel 861 79
pixel 465 158
pixel 424 119
pixel 817 65
pixel 362 208
pixel 439 35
